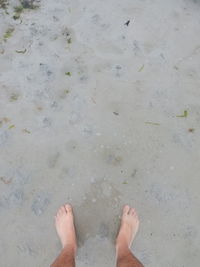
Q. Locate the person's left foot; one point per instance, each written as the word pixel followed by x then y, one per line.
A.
pixel 65 226
pixel 128 229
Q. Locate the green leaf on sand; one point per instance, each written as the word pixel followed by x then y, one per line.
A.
pixel 13 97
pixel 68 73
pixel 141 69
pixel 11 126
pixel 152 123
pixel 184 115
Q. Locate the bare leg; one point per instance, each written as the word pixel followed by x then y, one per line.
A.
pixel 66 232
pixel 127 233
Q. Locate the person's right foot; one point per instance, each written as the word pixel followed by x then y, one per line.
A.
pixel 128 229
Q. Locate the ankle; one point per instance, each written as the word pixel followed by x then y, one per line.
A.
pixel 72 249
pixel 122 249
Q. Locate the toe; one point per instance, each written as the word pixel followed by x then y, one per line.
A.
pixel 68 207
pixel 126 209
pixel 60 211
pixel 136 216
pixel 132 211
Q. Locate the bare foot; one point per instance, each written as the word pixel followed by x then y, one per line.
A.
pixel 65 226
pixel 128 229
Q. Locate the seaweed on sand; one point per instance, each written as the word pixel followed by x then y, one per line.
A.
pixel 4 4
pixel 24 5
pixel 8 33
pixel 29 4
